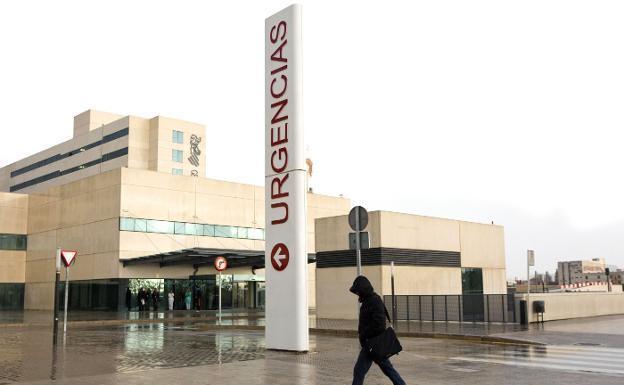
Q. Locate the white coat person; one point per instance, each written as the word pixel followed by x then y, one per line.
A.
pixel 171 298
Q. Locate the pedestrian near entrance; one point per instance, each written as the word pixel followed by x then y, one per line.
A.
pixel 171 298
pixel 188 298
pixel 155 299
pixel 141 298
pixel 372 322
pixel 128 298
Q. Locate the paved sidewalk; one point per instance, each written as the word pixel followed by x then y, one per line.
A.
pixel 605 331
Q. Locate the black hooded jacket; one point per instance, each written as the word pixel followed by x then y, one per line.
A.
pixel 372 321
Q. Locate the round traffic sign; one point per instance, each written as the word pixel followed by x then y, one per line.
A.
pixel 280 256
pixel 220 263
pixel 363 218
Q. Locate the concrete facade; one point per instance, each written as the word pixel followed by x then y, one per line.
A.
pixel 103 141
pixel 85 216
pixel 13 211
pixel 476 245
pixel 581 272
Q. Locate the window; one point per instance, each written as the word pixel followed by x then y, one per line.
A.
pixel 242 232
pixel 226 231
pixel 177 156
pixel 12 242
pixel 472 281
pixel 178 136
pixel 165 227
pixel 176 171
pixel 126 224
pixel 255 234
pixel 209 230
pixel 140 225
pixel 154 226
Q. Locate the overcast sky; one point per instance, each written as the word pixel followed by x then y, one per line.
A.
pixel 499 111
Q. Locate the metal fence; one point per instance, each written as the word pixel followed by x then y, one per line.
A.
pixel 460 308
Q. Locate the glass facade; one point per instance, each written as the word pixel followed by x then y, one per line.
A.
pixel 178 137
pixel 12 242
pixel 184 228
pixel 177 155
pixel 199 293
pixel 11 296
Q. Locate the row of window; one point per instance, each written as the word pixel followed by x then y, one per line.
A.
pixel 107 138
pixel 12 242
pixel 55 174
pixel 183 228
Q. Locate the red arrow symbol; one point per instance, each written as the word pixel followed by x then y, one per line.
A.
pixel 280 256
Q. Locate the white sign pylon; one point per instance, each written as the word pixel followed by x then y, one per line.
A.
pixel 286 257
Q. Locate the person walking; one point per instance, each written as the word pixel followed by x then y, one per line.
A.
pixel 171 298
pixel 155 299
pixel 141 299
pixel 372 322
pixel 188 298
pixel 148 298
pixel 128 299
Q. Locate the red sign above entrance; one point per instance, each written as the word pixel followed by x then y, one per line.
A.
pixel 68 256
pixel 280 256
pixel 220 263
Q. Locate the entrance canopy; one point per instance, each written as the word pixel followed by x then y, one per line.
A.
pixel 200 256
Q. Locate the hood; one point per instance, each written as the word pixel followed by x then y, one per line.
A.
pixel 362 287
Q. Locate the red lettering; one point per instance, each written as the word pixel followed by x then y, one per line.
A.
pixel 279 140
pixel 276 118
pixel 277 95
pixel 284 219
pixel 279 183
pixel 279 49
pixel 282 152
pixel 276 30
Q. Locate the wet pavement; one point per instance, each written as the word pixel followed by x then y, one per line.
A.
pixel 161 354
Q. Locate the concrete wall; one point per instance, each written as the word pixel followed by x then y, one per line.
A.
pixel 333 299
pixel 481 246
pixel 83 216
pixel 576 305
pixel 14 216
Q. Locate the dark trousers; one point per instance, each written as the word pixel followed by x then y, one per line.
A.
pixel 364 363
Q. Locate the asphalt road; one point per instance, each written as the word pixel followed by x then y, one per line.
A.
pixel 157 354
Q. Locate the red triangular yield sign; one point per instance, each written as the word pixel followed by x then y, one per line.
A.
pixel 68 256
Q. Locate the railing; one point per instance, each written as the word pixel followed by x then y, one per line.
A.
pixel 459 308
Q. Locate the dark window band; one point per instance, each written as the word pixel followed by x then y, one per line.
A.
pixel 12 242
pixel 57 157
pixel 384 255
pixel 56 174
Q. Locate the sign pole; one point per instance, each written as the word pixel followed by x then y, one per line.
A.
pixel 220 297
pixel 57 280
pixel 66 299
pixel 358 248
pixel 394 309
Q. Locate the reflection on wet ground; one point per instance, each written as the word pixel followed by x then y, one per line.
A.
pixel 28 354
pixel 112 352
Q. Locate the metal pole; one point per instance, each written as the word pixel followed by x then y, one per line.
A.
pixel 66 299
pixel 219 297
pixel 358 250
pixel 56 295
pixel 394 309
pixel 528 288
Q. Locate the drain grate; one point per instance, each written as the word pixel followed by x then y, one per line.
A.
pixel 587 344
